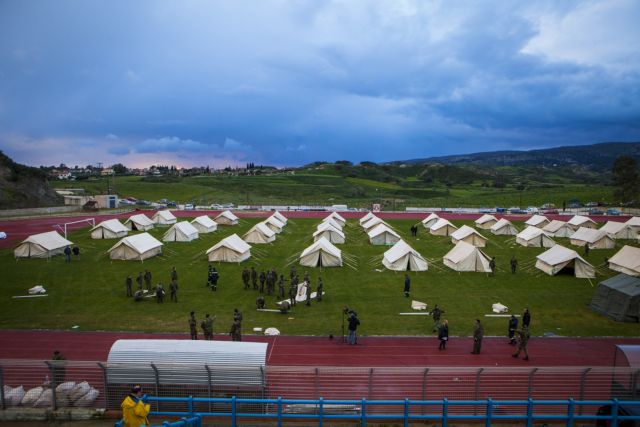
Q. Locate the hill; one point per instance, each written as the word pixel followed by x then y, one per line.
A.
pixel 24 187
pixel 596 157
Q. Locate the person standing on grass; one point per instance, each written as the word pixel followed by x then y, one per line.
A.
pixel 129 284
pixel 192 326
pixel 492 266
pixel 436 313
pixel 76 252
pixel 139 280
pixel 160 293
pixel 407 285
pixel 478 334
pixel 207 327
pixel 134 410
pixel 514 264
pixel 293 292
pixel 320 290
pixel 67 254
pixel 147 279
pixel 281 286
pixel 245 277
pixel 254 278
pixel 174 274
pixel 214 279
pixel 443 334
pixel 173 287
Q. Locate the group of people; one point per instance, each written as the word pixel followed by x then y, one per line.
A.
pixel 68 250
pixel 207 326
pixel 519 337
pixel 266 282
pixel 158 289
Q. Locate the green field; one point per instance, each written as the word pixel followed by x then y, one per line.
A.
pixel 90 293
pixel 327 189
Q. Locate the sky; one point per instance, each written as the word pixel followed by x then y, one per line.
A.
pixel 288 82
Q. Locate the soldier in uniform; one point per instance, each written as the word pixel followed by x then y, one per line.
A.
pixel 254 278
pixel 308 288
pixel 207 327
pixel 214 279
pixel 306 276
pixel 526 318
pixel 320 289
pixel 513 325
pixel 236 333
pixel 260 303
pixel 407 285
pixel 293 272
pixel 173 287
pixel 192 326
pixel 478 334
pixel 160 293
pixel 514 264
pixel 174 274
pixel 245 277
pixel 147 280
pixel 523 340
pixel 285 307
pixel 293 292
pixel 492 266
pixel 129 283
pixel 237 315
pixel 263 278
pixel 436 313
pixel 281 286
pixel 139 280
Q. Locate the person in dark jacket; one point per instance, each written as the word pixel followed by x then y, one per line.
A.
pixel 353 326
pixel 407 285
pixel 526 318
pixel 523 341
pixel 443 335
pixel 478 334
pixel 513 325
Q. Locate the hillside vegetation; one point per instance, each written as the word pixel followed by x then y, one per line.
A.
pixel 24 187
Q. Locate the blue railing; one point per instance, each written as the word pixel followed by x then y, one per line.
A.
pixel 405 411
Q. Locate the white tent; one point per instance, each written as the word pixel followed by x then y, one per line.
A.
pixel 43 245
pixel 204 224
pixel 596 239
pixel 226 218
pixel 469 235
pixel 619 230
pixel 274 224
pixel 337 218
pixel 402 257
pixel 634 223
pixel 466 257
pixel 137 247
pixel 381 234
pixel 578 221
pixel 329 232
pixel 486 221
pixel 534 237
pixel 430 220
pixel 321 254
pixel 109 229
pixel 442 227
pixel 373 222
pixel 558 228
pixel 164 218
pixel 333 223
pixel 558 257
pixel 181 231
pixel 229 249
pixel 537 221
pixel 259 233
pixel 626 260
pixel 283 219
pixel 139 222
pixel 366 218
pixel 504 227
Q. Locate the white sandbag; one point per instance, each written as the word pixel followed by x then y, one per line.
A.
pixel 31 396
pixel 78 391
pixel 499 308
pixel 271 331
pixel 6 389
pixel 88 398
pixel 37 290
pixel 45 399
pixel 14 396
pixel 417 305
pixel 65 387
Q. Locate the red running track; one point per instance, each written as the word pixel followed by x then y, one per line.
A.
pixel 315 351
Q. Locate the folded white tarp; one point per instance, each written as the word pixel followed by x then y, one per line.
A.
pixel 430 220
pixel 486 221
pixel 181 231
pixel 578 221
pixel 626 260
pixel 321 253
pixel 139 222
pixel 534 237
pixel 469 235
pixel 466 257
pixel 537 221
pixel 558 257
pixel 226 218
pixel 442 227
pixel 164 218
pixel 402 257
pixel 504 227
pixel 43 245
pixel 558 228
pixel 596 239
pixel 229 249
pixel 259 234
pixel 417 305
pixel 499 308
pixel 204 224
pixel 37 290
pixel 109 229
pixel 136 247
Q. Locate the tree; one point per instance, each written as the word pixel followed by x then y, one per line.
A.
pixel 119 169
pixel 626 179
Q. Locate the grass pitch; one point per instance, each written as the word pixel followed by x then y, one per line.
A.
pixel 90 293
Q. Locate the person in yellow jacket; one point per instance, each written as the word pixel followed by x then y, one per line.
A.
pixel 134 410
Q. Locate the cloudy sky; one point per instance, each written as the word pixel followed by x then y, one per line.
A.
pixel 287 82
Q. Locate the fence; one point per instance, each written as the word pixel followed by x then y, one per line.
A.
pixel 108 387
pixel 405 411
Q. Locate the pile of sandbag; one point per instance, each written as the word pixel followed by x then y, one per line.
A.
pixel 67 394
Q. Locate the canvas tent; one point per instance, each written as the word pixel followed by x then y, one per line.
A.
pixel 329 232
pixel 226 218
pixel 274 224
pixel 109 229
pixel 469 235
pixel 229 249
pixel 333 223
pixel 136 248
pixel 337 218
pixel 366 218
pixel 504 227
pixel 558 258
pixel 43 245
pixel 486 221
pixel 139 222
pixel 321 254
pixel 373 222
pixel 578 221
pixel 466 257
pixel 402 257
pixel 164 218
pixel 534 237
pixel 537 221
pixel 619 230
pixel 558 228
pixel 181 231
pixel 626 260
pixel 442 227
pixel 618 298
pixel 430 220
pixel 283 219
pixel 596 239
pixel 204 224
pixel 259 233
pixel 381 234
pixel 634 223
